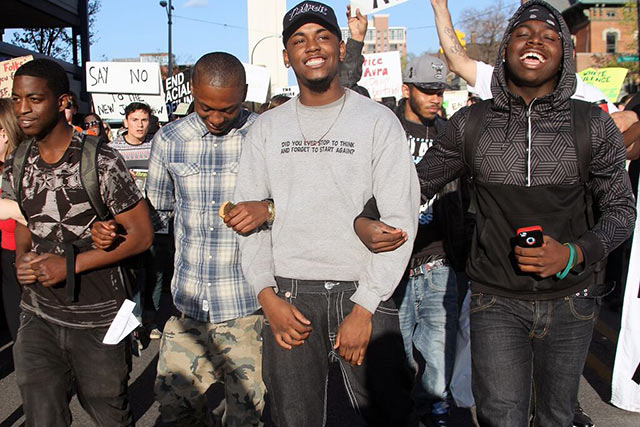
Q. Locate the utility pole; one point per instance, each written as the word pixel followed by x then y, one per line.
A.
pixel 169 8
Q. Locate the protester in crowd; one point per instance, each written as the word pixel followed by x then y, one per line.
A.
pixel 150 268
pixel 71 112
pixel 350 69
pixel 107 130
pixel 473 99
pixel 192 171
pixel 517 184
pixel 93 125
pixel 428 296
pixel 10 136
pixel 276 101
pixel 59 346
pixel 316 283
pixel 477 74
pixel 622 103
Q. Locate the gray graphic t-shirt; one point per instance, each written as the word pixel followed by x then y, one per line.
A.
pixel 58 211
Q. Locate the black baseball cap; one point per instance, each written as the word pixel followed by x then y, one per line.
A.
pixel 309 11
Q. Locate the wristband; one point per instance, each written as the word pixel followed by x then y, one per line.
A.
pixel 570 263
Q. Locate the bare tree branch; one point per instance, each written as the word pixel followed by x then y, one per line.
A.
pixel 55 42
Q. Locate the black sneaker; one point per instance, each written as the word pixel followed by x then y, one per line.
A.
pixel 580 418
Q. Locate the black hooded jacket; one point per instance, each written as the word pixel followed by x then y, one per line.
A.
pixel 532 146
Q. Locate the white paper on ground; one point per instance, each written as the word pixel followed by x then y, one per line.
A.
pixel 123 324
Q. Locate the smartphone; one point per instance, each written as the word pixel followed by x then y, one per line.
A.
pixel 529 237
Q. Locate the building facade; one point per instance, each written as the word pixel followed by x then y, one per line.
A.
pixel 602 30
pixel 264 23
pixel 382 38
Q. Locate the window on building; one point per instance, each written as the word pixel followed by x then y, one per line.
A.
pixel 611 14
pixel 370 36
pixel 612 41
pixel 396 34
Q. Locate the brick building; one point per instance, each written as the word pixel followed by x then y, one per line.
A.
pixel 600 30
pixel 382 38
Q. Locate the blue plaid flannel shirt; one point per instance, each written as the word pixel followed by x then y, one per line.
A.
pixel 191 172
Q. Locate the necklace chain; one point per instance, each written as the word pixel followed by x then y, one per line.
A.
pixel 304 138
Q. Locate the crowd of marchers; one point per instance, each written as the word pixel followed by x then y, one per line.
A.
pixel 327 229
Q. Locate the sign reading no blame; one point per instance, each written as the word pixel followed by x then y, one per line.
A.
pixel 369 6
pixel 123 77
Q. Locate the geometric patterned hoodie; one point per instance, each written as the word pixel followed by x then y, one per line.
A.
pixel 532 145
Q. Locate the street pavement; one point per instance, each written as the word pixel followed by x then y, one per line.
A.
pixel 594 388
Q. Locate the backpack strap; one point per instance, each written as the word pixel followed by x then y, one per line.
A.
pixel 475 119
pixel 89 175
pixel 19 160
pixel 582 113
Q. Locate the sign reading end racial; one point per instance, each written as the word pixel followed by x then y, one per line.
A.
pixel 123 77
pixel 177 89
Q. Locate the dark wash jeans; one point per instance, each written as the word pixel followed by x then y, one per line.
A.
pixel 510 340
pixel 50 358
pixel 379 390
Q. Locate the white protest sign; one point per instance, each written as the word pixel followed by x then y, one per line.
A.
pixel 371 6
pixel 7 69
pixel 111 105
pixel 258 79
pixel 123 77
pixel 289 91
pixel 177 89
pixel 454 100
pixel 381 75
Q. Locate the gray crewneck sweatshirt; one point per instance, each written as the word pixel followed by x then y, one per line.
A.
pixel 318 188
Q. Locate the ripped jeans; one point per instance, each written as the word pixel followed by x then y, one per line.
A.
pixel 379 390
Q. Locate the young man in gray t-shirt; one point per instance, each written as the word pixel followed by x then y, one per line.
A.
pixel 316 282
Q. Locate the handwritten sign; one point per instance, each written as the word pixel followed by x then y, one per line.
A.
pixel 258 79
pixel 111 105
pixel 454 100
pixel 608 80
pixel 177 90
pixel 372 6
pixel 123 77
pixel 7 69
pixel 381 75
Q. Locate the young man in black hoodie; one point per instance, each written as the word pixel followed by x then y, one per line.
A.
pixel 532 309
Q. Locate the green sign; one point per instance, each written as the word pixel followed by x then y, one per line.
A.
pixel 628 58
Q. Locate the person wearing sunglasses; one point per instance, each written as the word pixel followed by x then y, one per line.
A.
pixel 93 125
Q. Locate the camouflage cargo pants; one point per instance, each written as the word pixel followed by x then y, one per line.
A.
pixel 194 355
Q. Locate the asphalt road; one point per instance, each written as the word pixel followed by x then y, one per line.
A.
pixel 594 388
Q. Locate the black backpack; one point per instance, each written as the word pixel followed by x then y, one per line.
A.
pixel 582 113
pixel 91 184
pixel 88 173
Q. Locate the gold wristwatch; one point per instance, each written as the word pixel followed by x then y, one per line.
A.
pixel 272 211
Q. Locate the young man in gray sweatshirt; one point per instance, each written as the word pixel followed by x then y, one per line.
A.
pixel 325 296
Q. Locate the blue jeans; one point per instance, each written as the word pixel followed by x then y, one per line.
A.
pixel 428 310
pixel 296 379
pixel 511 340
pixel 51 359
